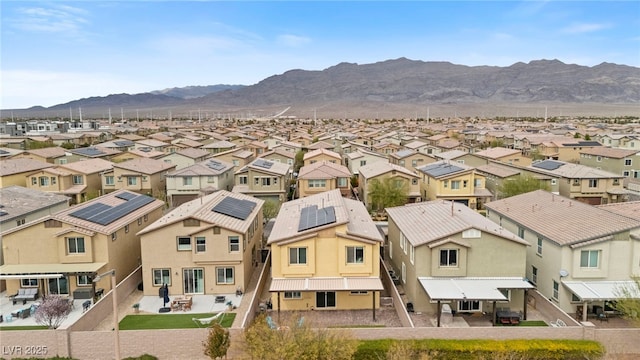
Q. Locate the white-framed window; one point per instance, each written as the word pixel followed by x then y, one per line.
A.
pixel 521 232
pixel 626 173
pixel 53 180
pixel 187 181
pixel 20 221
pixel 83 280
pixel 445 184
pixel 243 180
pixel 184 243
pixel 363 162
pixel 412 254
pixel 139 221
pixel 266 181
pixel 292 295
pixel 34 181
pixel 234 244
pixel 108 180
pixel 75 245
pixel 627 162
pixel 534 274
pixel 132 180
pixel 201 244
pixel 404 273
pixel 29 283
pixel 390 250
pixel 539 248
pixel 506 293
pixel 224 275
pixel 449 257
pixel 469 306
pixel 403 242
pixel 114 236
pixel 297 256
pixel 342 182
pixel 477 183
pixel 161 277
pixel 471 234
pixel 589 258
pixel 355 255
pixel 317 183
pixel 556 289
pixel 78 180
pixel 593 183
pixel 44 181
pixel 126 229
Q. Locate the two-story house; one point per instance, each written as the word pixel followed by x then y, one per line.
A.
pixel 144 176
pixel 613 160
pixel 444 251
pixel 196 180
pixel 383 172
pixel 323 176
pixel 63 252
pixel 356 159
pixel 411 159
pixel 453 181
pixel 501 154
pixel 205 246
pixel 320 155
pixel 185 157
pixel 573 245
pixel 264 179
pixel 14 171
pixel 281 156
pixel 325 255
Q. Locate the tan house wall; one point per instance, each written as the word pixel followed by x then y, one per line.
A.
pixel 14 179
pixel 320 158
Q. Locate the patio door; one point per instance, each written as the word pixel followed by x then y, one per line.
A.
pixel 325 299
pixel 469 306
pixel 59 286
pixel 193 279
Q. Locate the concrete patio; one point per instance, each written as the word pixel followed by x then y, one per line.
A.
pixel 7 308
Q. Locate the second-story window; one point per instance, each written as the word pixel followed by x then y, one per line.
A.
pixel 184 243
pixel 449 257
pixel 297 256
pixel 132 180
pixel 234 244
pixel 78 180
pixel 187 181
pixel 355 255
pixel 75 245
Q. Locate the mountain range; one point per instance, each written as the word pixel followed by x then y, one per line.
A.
pixel 396 85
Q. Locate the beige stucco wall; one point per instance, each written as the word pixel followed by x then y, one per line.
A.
pixel 15 179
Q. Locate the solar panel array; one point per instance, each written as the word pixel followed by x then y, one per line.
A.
pixel 89 151
pixel 216 165
pixel 103 214
pixel 548 164
pixel 440 169
pixel 236 208
pixel 312 217
pixel 263 163
pixel 123 143
pixel 126 196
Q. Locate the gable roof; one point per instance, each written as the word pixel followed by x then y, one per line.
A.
pixel 443 169
pixel 144 166
pixel 570 170
pixel 381 167
pixel 17 201
pixel 47 153
pixel 615 153
pixel 321 151
pixel 425 222
pixel 497 152
pixel 89 166
pixel 211 167
pixel 17 166
pixel 192 153
pixel 629 209
pixel 561 220
pixel 323 170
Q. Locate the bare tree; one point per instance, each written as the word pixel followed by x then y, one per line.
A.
pixel 52 311
pixel 217 343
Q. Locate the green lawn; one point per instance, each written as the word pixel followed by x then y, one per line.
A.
pixel 529 323
pixel 169 321
pixel 33 327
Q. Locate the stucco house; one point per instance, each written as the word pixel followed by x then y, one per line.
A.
pixel 323 176
pixel 199 179
pixel 381 172
pixel 264 179
pixel 453 181
pixel 144 176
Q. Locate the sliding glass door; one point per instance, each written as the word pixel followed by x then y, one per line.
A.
pixel 193 279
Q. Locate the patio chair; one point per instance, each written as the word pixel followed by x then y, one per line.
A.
pixel 602 316
pixel 206 321
pixel 25 313
pixel 271 323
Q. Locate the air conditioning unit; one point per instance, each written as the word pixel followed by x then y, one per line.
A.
pixel 418 199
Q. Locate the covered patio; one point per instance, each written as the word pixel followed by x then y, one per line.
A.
pixel 598 293
pixel 475 289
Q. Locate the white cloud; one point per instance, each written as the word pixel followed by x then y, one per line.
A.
pixel 292 40
pixel 580 28
pixel 58 19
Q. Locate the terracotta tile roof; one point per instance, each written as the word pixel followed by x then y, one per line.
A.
pixel 614 153
pixel 496 153
pixel 321 151
pixel 17 166
pixel 89 166
pixel 323 170
pixel 144 166
pixel 559 219
pixel 425 222
pixel 380 167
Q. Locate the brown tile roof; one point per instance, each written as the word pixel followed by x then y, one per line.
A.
pixel 425 222
pixel 614 153
pixel 17 166
pixel 497 152
pixel 559 219
pixel 144 166
pixel 323 170
pixel 89 166
pixel 321 151
pixel 193 153
pixel 50 152
pixel 380 167
pixel 629 209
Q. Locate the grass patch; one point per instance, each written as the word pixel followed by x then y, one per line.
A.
pixel 32 327
pixel 355 326
pixel 527 323
pixel 169 321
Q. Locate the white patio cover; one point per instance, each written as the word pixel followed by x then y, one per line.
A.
pixel 13 271
pixel 601 290
pixel 467 288
pixel 327 284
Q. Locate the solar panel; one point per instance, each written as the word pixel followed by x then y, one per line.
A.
pixel 440 169
pixel 548 164
pixel 263 163
pixel 102 214
pixel 312 217
pixel 236 208
pixel 123 143
pixel 126 196
pixel 215 165
pixel 89 151
pixel 86 212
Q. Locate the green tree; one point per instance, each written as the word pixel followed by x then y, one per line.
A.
pixel 587 137
pixel 218 341
pixel 299 161
pixel 524 183
pixel 297 340
pixel 354 181
pixel 629 302
pixel 270 210
pixel 392 191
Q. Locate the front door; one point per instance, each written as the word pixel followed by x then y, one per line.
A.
pixel 325 299
pixel 193 279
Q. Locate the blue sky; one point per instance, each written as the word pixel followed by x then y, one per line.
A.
pixel 53 52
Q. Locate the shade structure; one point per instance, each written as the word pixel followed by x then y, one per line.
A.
pixel 602 290
pixel 477 288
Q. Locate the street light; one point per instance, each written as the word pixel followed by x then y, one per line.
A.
pixel 116 332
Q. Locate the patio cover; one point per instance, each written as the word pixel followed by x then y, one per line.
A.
pixel 466 288
pixel 32 271
pixel 601 290
pixel 327 284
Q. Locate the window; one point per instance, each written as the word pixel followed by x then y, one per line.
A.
pixel 599 158
pixel 390 250
pixel 201 244
pixel 449 257
pixel 29 282
pixel 627 162
pixel 78 180
pixel 445 183
pixel 625 173
pixel 469 306
pixel 477 183
pixel 506 293
pixel 534 274
pixel 266 181
pixel 108 180
pixel 44 181
pixel 53 180
pixel 146 218
pixel 554 181
pixel 234 244
pixel 363 162
pixel 460 161
pixel 139 221
pixel 414 181
pixel 589 258
pixel 297 256
pixel 361 292
pixel 342 182
pixel 242 180
pixel 471 234
pixel 521 232
pixel 161 277
pixel 212 179
pixel 593 183
pixel 235 162
pixel 34 181
pixel 412 254
pixel 83 280
pixel 131 180
pixel 187 181
pixel 556 289
pixel 292 295
pixel 114 236
pixel 184 243
pixel 126 229
pixel 403 242
pixel 225 275
pixel 539 249
pixel 404 273
pixel 317 183
pixel 75 245
pixel 355 255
